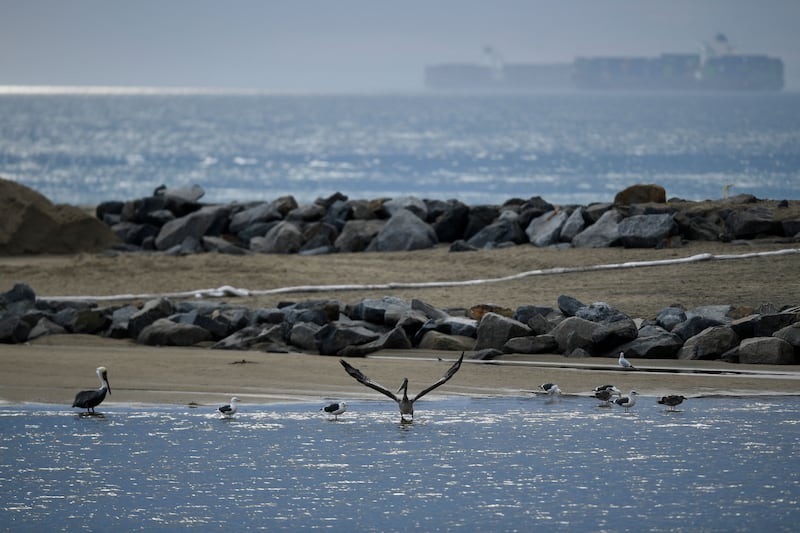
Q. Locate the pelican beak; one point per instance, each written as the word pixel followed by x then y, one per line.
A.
pixel 405 384
pixel 105 378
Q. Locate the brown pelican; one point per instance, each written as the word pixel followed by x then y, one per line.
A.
pixel 627 401
pixel 335 409
pixel 604 393
pixel 405 403
pixel 89 399
pixel 671 401
pixel 624 363
pixel 230 409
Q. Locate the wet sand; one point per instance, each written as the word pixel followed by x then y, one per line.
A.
pixel 53 369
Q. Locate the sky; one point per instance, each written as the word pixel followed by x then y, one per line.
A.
pixel 357 45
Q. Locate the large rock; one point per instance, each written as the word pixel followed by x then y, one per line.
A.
pixel 164 332
pixel 504 230
pixel 575 335
pixel 335 337
pixel 646 231
pixel 31 224
pixel 710 343
pixel 404 231
pixel 603 233
pixel 546 229
pixel 573 225
pixel 207 220
pixel 436 340
pixel 750 223
pixel 766 350
pixel 262 212
pixel 653 342
pixel 283 238
pixel 495 330
pixel 357 234
pixel 151 311
pixel 790 334
pixel 531 344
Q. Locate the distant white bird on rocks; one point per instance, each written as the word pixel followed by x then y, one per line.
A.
pixel 604 393
pixel 89 399
pixel 627 401
pixel 230 409
pixel 671 401
pixel 624 363
pixel 335 409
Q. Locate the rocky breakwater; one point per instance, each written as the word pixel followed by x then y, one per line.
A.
pixel 174 221
pixel 329 327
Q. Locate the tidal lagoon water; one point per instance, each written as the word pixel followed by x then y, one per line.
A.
pixel 465 464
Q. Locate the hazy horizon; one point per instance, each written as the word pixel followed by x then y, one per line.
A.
pixel 357 45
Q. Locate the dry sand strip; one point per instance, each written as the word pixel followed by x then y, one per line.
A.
pixel 51 371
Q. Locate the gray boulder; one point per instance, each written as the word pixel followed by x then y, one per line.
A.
pixel 207 220
pixel 531 344
pixel 436 340
pixel 670 317
pixel 303 336
pixel 261 212
pixel 395 339
pixel 574 224
pixel 545 230
pixel 404 231
pixel 411 203
pixel 767 351
pixel 710 343
pixel 569 305
pixel 334 337
pixel 694 325
pixel 45 327
pixel 790 334
pixel 575 333
pixel 601 234
pixel 653 342
pixel 357 234
pixel 502 231
pixel 646 231
pixel 164 332
pixel 283 238
pixel 495 330
pixel 750 223
pixel 151 311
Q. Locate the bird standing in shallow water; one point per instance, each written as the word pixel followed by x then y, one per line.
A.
pixel 551 389
pixel 624 363
pixel 627 401
pixel 89 399
pixel 604 393
pixel 230 409
pixel 335 409
pixel 405 403
pixel 671 401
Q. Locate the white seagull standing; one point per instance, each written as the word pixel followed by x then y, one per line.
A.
pixel 405 403
pixel 627 401
pixel 335 409
pixel 89 399
pixel 624 363
pixel 230 409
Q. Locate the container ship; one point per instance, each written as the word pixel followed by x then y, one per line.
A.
pixel 716 68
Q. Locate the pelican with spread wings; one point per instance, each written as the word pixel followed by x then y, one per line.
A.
pixel 405 403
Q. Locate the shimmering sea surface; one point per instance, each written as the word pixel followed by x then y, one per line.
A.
pixel 465 464
pixel 571 148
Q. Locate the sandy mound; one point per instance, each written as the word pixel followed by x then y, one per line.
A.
pixel 34 225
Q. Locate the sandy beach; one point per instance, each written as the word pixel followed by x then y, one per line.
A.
pixel 52 369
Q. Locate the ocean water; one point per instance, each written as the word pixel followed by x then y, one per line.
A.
pixel 465 464
pixel 572 148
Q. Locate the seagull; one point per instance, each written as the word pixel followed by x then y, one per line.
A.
pixel 89 399
pixel 551 389
pixel 627 401
pixel 405 403
pixel 671 401
pixel 604 393
pixel 230 409
pixel 335 409
pixel 624 363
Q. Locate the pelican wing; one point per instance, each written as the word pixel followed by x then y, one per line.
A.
pixel 364 380
pixel 447 375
